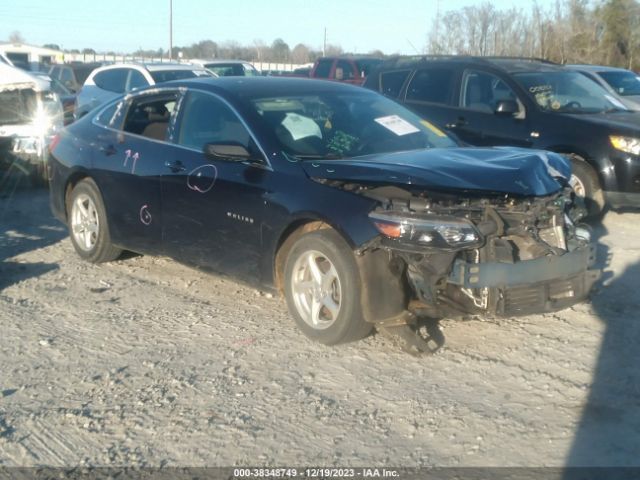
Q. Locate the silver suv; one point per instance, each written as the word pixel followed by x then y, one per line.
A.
pixel 107 83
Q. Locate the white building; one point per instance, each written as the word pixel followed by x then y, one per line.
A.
pixel 31 57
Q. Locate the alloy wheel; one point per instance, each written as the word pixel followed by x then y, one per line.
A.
pixel 316 288
pixel 85 225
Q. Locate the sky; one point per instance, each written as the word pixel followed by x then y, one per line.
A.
pixel 124 26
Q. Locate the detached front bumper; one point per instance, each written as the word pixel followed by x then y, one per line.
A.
pixel 541 285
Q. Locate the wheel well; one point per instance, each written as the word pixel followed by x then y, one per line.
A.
pixel 580 156
pixel 286 241
pixel 71 183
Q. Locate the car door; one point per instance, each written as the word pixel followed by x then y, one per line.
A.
pixel 213 207
pixel 129 166
pixel 430 92
pixel 478 122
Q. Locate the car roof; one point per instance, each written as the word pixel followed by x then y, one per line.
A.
pixel 350 57
pixel 506 64
pixel 211 62
pixel 152 67
pixel 266 86
pixel 598 68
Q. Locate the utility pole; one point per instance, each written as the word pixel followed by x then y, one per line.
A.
pixel 437 39
pixel 324 44
pixel 170 30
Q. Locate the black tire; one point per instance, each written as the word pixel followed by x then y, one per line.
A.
pixel 348 325
pixel 102 250
pixel 588 179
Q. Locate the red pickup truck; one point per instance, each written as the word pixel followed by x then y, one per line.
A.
pixel 352 70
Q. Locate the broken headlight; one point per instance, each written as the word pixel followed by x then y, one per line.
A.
pixel 437 231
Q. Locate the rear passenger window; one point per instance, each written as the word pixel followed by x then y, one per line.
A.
pixel 433 85
pixel 323 70
pixel 344 70
pixel 391 82
pixel 136 80
pixel 149 115
pixel 105 117
pixel 113 80
pixel 66 78
pixel 206 119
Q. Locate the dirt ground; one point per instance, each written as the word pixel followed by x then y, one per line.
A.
pixel 144 361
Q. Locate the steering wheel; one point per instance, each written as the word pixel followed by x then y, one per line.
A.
pixel 573 104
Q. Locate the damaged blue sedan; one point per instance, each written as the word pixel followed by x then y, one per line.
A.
pixel 362 214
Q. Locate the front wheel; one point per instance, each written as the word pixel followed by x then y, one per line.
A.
pixel 88 226
pixel 585 184
pixel 323 289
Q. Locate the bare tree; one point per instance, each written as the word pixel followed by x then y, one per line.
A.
pixel 16 37
pixel 300 54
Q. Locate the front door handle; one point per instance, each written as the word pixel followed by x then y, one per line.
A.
pixel 460 122
pixel 175 167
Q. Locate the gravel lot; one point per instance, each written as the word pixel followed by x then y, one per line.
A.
pixel 144 361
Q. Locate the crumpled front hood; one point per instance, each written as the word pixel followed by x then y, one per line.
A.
pixel 509 170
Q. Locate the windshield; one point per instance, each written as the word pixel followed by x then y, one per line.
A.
pixel 624 83
pixel 161 76
pixel 342 125
pixel 567 92
pixel 83 72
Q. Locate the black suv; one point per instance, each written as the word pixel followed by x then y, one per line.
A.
pixel 528 103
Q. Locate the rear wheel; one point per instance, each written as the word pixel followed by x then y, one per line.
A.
pixel 323 289
pixel 88 226
pixel 585 183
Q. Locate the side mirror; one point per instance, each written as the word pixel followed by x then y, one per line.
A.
pixel 227 151
pixel 507 107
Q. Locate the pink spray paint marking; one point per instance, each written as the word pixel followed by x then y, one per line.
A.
pixel 203 178
pixel 145 216
pixel 135 158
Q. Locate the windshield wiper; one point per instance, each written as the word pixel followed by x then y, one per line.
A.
pixel 328 156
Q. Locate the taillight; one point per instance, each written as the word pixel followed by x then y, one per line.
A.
pixel 54 142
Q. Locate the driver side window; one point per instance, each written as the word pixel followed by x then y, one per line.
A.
pixel 206 119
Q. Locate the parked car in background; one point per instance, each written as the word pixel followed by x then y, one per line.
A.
pixel 302 72
pixel 228 68
pixel 345 201
pixel 108 82
pixel 350 69
pixel 527 103
pixel 30 115
pixel 73 75
pixel 624 84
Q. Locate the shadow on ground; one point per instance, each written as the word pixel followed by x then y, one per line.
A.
pixel 608 434
pixel 26 224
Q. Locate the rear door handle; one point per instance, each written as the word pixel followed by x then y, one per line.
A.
pixel 108 150
pixel 175 167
